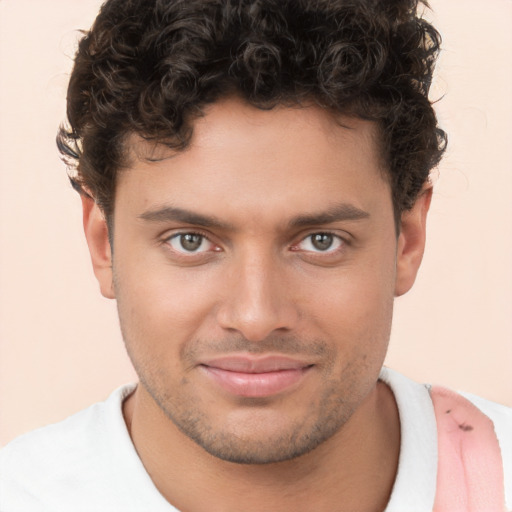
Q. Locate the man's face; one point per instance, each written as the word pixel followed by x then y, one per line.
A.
pixel 255 275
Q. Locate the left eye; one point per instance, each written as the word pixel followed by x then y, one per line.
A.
pixel 190 243
pixel 320 242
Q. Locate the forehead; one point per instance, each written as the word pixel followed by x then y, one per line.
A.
pixel 235 123
pixel 302 157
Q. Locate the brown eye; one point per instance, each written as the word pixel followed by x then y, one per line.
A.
pixel 190 243
pixel 320 242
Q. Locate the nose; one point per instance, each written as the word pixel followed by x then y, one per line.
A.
pixel 258 299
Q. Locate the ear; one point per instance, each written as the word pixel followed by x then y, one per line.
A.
pixel 96 233
pixel 411 242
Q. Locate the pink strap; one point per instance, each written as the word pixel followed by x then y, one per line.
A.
pixel 470 468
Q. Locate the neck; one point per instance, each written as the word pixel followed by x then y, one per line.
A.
pixel 354 470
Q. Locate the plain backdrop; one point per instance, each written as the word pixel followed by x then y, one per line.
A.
pixel 60 346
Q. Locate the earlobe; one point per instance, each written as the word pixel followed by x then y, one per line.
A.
pixel 96 233
pixel 411 242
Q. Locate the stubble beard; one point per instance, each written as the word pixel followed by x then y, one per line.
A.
pixel 342 392
pixel 330 412
pixel 298 439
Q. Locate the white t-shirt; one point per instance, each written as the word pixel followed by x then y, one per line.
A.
pixel 88 463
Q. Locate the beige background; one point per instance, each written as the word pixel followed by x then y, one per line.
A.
pixel 60 348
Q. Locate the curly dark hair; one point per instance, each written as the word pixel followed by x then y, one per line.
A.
pixel 150 67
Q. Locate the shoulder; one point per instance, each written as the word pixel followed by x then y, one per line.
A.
pixel 34 465
pixel 501 416
pixel 418 423
pixel 407 392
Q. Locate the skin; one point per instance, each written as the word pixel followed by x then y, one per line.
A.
pixel 263 184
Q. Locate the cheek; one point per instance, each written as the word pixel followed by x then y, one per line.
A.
pixel 355 310
pixel 355 295
pixel 160 305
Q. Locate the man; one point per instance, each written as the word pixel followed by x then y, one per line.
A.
pixel 254 179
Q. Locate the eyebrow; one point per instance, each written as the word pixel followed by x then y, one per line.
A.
pixel 170 213
pixel 337 213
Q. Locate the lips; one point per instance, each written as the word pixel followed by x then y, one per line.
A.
pixel 256 376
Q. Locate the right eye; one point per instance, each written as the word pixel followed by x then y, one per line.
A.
pixel 190 243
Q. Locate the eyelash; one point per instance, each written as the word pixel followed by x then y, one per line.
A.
pixel 177 236
pixel 335 239
pixel 342 243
